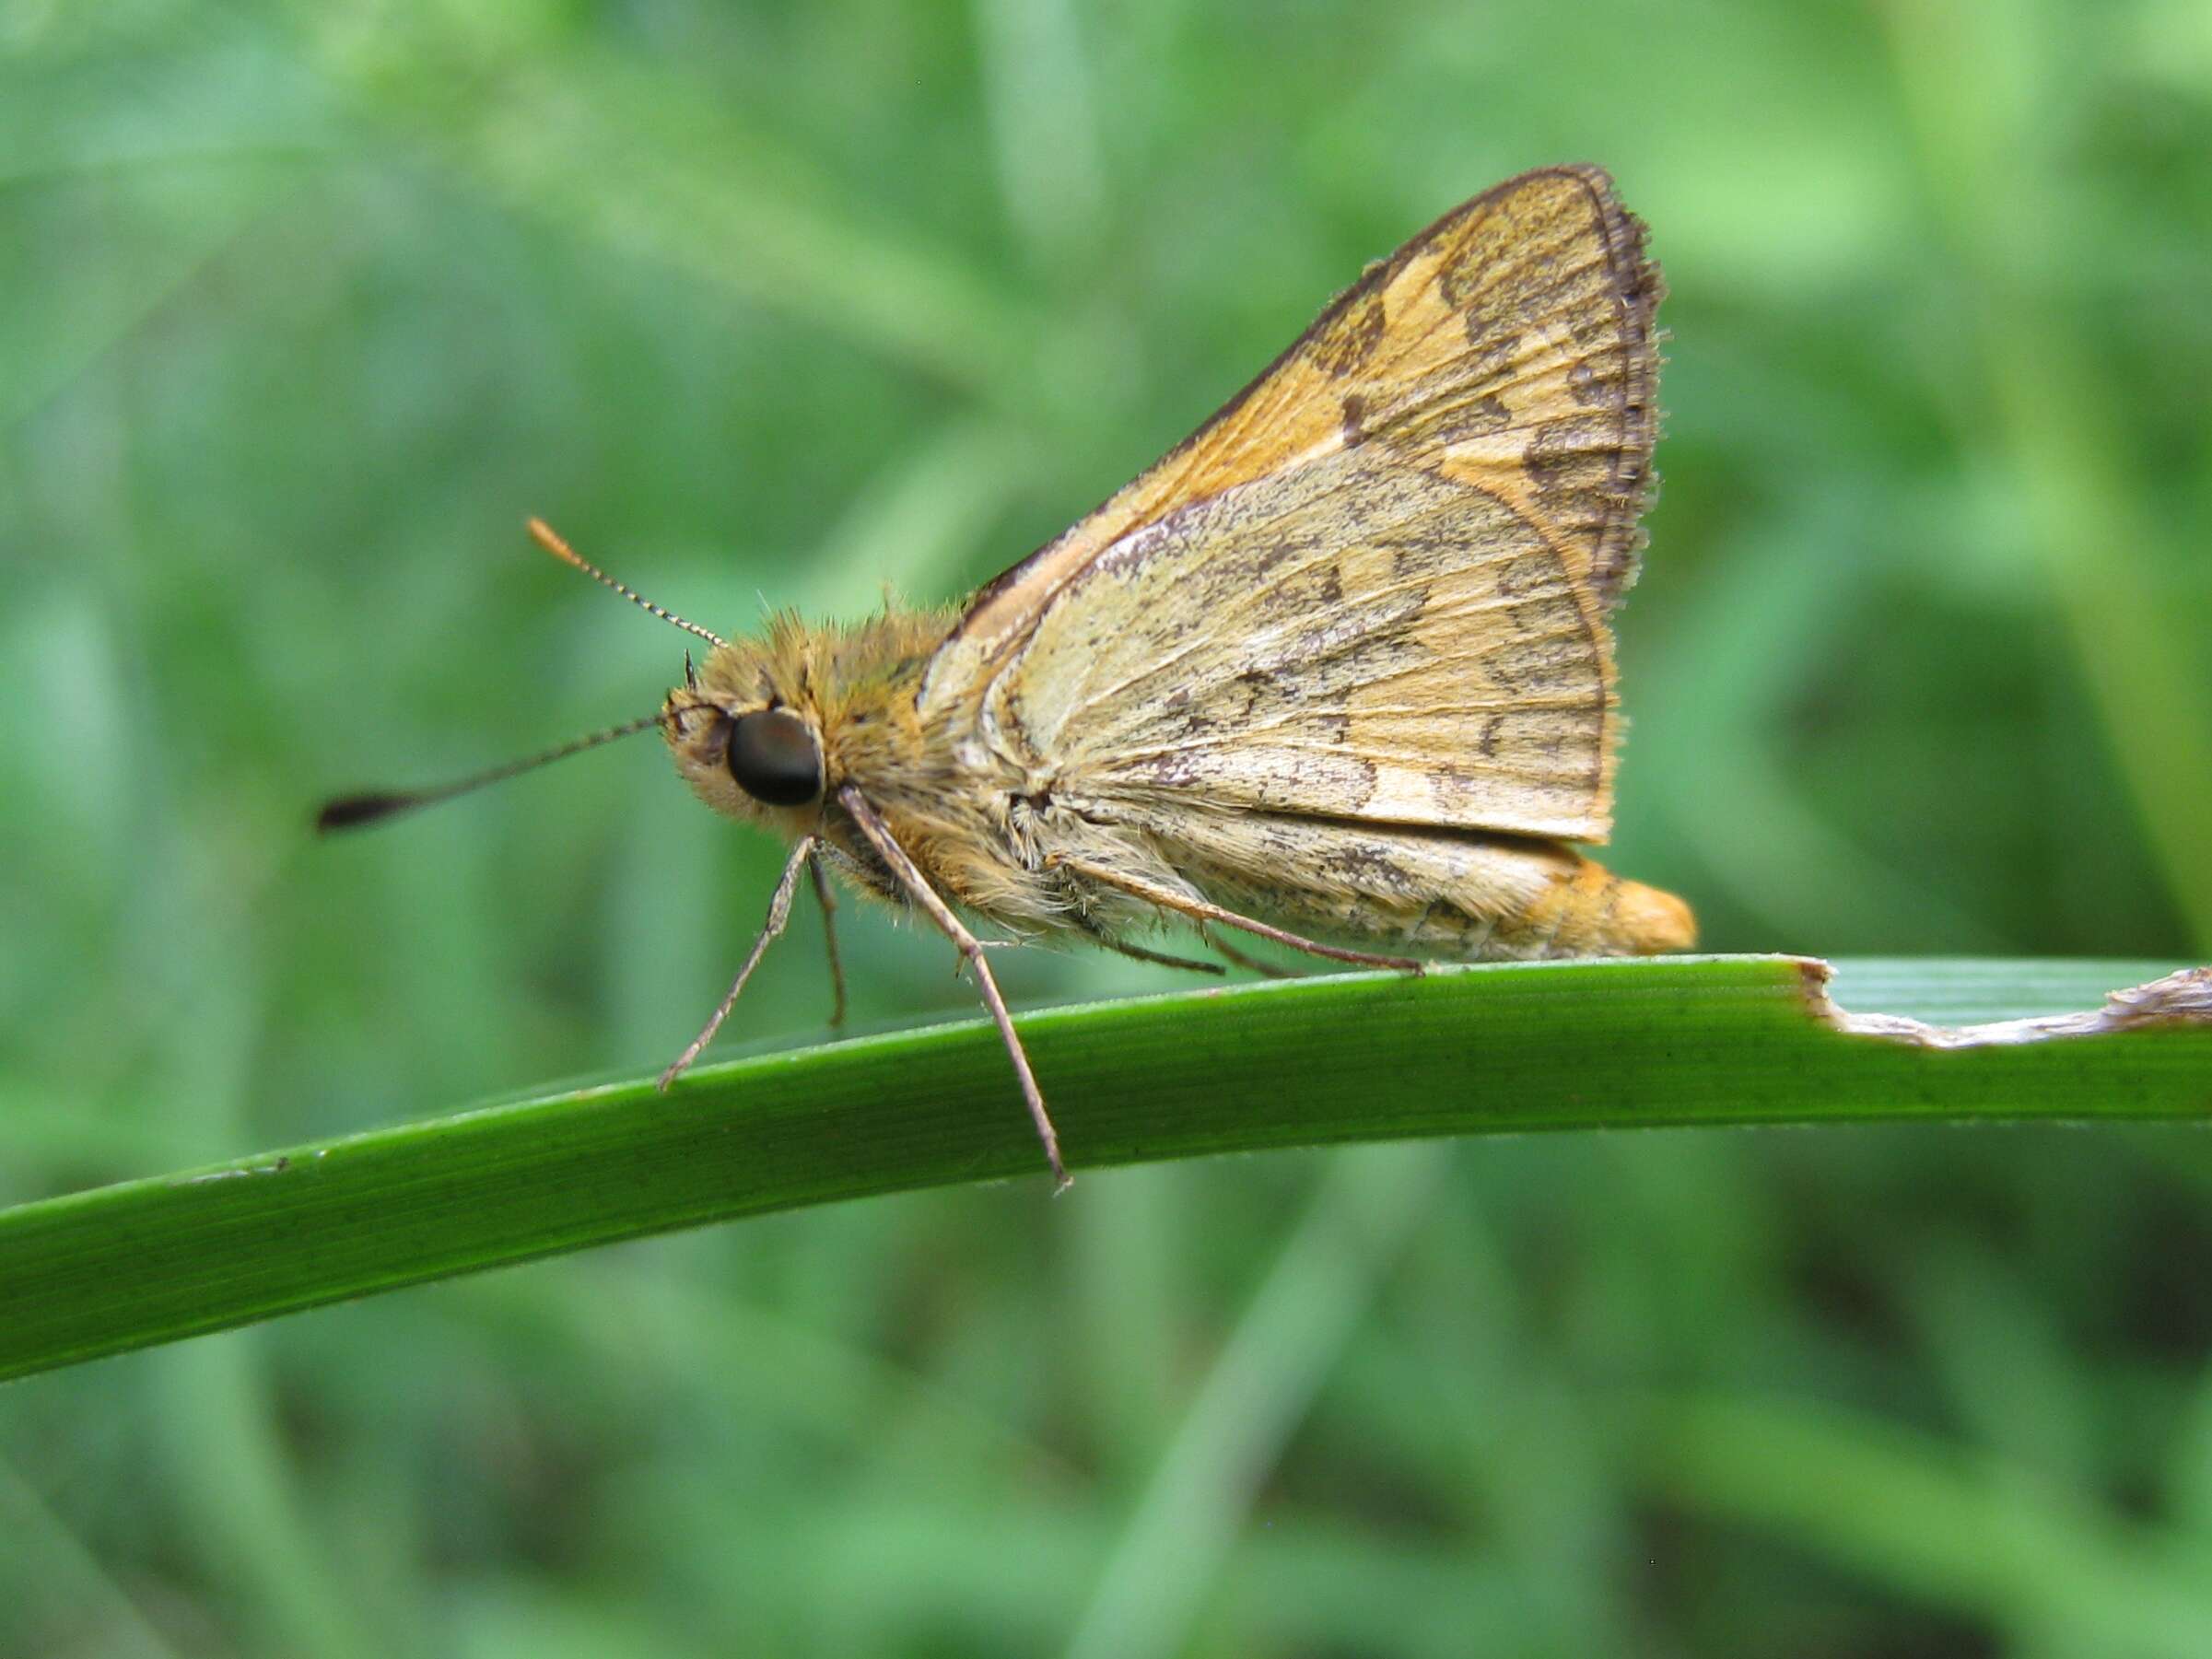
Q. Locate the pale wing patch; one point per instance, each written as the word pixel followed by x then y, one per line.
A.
pixel 1509 344
pixel 1349 640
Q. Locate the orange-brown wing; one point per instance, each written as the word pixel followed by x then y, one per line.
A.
pixel 1509 347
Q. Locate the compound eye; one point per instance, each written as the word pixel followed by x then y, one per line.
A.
pixel 774 757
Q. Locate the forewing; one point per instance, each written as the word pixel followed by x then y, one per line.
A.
pixel 1509 347
pixel 1352 640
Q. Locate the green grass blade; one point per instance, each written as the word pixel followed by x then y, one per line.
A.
pixel 1958 1527
pixel 1710 1040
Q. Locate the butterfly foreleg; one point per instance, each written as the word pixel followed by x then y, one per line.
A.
pixel 779 912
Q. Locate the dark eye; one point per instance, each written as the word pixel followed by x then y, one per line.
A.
pixel 773 757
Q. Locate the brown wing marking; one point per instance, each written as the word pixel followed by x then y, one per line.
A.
pixel 1510 345
pixel 1352 640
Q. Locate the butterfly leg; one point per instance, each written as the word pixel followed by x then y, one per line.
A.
pixel 1266 970
pixel 829 935
pixel 918 887
pixel 1167 898
pixel 1138 953
pixel 780 911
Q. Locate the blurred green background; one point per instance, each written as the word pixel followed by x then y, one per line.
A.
pixel 302 308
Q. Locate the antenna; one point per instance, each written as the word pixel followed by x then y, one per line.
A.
pixel 542 532
pixel 354 812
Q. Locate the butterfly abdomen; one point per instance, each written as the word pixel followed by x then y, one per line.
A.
pixel 1435 893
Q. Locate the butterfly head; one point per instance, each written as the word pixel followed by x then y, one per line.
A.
pixel 747 737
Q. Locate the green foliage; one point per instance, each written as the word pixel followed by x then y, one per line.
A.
pixel 302 308
pixel 1504 1049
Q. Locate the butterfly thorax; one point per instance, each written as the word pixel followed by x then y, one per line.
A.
pixel 854 687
